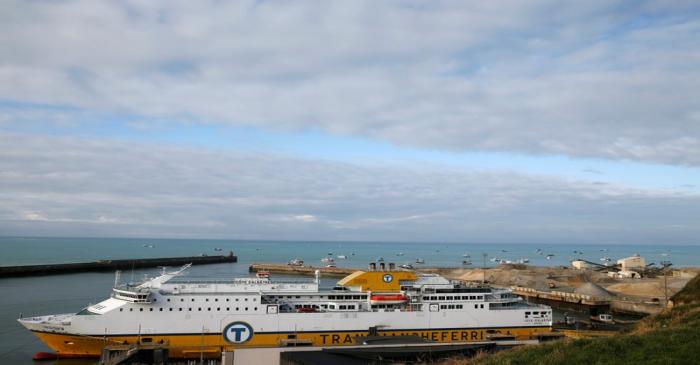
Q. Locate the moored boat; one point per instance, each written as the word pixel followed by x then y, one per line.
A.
pixel 208 316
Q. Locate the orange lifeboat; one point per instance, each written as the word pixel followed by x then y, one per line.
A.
pixel 388 298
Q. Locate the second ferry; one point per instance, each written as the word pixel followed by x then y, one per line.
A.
pixel 211 316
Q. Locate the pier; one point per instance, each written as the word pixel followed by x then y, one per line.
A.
pixel 305 270
pixel 111 265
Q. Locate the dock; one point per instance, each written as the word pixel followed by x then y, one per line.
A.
pixel 305 270
pixel 111 265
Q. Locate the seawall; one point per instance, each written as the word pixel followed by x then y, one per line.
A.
pixel 110 265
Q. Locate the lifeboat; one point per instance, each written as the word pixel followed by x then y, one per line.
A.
pixel 388 298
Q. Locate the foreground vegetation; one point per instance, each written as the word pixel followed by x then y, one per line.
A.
pixel 672 337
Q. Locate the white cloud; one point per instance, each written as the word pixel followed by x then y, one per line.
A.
pixel 74 186
pixel 604 79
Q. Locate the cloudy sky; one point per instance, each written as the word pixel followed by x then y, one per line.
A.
pixel 522 121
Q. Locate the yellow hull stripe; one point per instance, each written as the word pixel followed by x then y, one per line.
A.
pixel 214 343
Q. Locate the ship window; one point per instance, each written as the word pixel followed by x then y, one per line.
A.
pixel 237 308
pixel 180 309
pixel 146 340
pixel 482 306
pixel 131 309
pixel 216 299
pixel 199 309
pixel 121 309
pixel 189 309
pixel 331 297
pixel 459 306
pixel 236 299
pixel 218 309
pixel 161 309
pixel 140 309
pixel 182 300
pixel 448 298
pixel 228 309
pixel 193 299
pixel 209 309
pixel 443 307
pixel 296 297
pixel 441 298
pixel 155 300
pixel 246 308
pixel 256 308
pixel 151 309
pixel 246 299
pixel 227 299
pixel 206 300
pixel 254 299
pixel 476 306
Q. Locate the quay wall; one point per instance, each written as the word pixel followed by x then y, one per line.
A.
pixel 110 265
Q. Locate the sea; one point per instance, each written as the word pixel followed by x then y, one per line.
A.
pixel 67 293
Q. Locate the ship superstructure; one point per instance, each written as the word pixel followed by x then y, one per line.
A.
pixel 195 316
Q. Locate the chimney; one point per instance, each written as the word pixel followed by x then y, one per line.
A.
pixel 392 266
pixel 372 266
pixel 382 267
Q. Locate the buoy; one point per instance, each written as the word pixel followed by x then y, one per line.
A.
pixel 44 356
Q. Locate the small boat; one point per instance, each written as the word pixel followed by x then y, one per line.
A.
pixel 406 266
pixel 341 257
pixel 549 256
pixel 327 259
pixel 149 245
pixel 218 249
pixel 330 254
pixel 466 262
pixel 388 298
pixel 380 259
pixel 605 318
pixel 420 261
pixel 262 274
pixel 524 260
pixel 399 254
pixel 296 262
pixel 331 265
pixel 466 256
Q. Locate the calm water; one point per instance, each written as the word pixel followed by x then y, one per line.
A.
pixel 70 293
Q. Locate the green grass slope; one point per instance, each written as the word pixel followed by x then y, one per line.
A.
pixel 672 337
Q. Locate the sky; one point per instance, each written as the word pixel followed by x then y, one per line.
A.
pixel 458 121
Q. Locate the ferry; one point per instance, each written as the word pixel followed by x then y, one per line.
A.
pixel 193 318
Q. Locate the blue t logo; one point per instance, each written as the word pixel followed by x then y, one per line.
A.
pixel 238 332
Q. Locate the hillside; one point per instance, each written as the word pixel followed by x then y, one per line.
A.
pixel 672 337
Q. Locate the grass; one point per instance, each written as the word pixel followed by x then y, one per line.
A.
pixel 672 337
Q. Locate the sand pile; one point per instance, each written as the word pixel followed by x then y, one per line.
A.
pixel 593 290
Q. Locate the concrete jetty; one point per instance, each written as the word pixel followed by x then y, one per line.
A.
pixel 301 270
pixel 111 265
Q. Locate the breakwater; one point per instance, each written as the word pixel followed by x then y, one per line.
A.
pixel 110 265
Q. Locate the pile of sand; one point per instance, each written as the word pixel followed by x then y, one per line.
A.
pixel 593 290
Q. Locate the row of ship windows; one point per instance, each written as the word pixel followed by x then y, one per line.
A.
pixel 452 306
pixel 207 299
pixel 209 309
pixel 326 306
pixel 330 297
pixel 453 297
